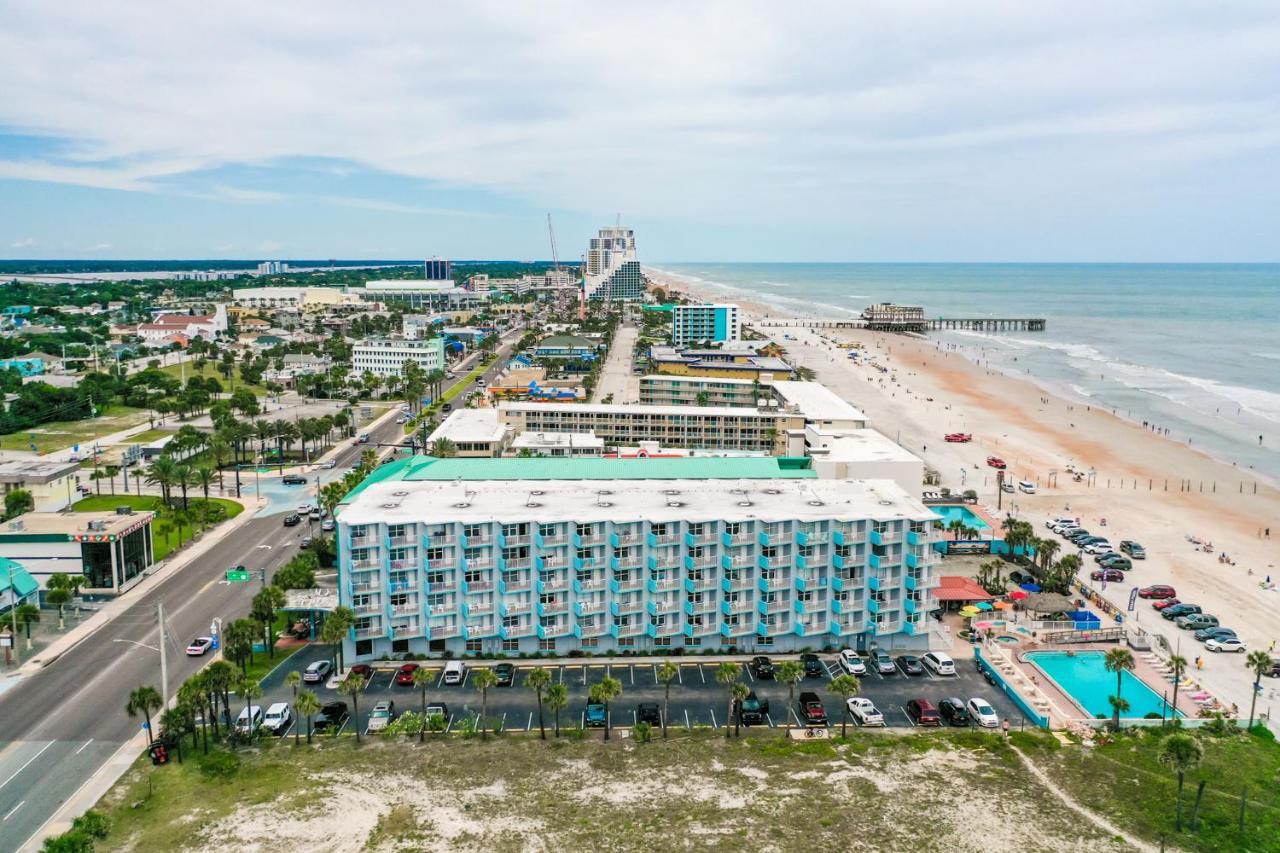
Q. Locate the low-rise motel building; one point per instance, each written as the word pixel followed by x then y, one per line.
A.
pixel 469 556
pixel 112 551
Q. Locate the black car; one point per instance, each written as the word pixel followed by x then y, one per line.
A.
pixel 649 712
pixel 761 667
pixel 753 710
pixel 813 667
pixel 293 480
pixel 506 674
pixel 1214 633
pixel 953 712
pixel 292 520
pixel 1177 610
pixel 331 716
pixel 910 664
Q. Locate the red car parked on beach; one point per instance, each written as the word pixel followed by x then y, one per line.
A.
pixel 958 436
pixel 996 462
pixel 1157 591
pixel 1165 602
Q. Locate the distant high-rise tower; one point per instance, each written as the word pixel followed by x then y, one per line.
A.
pixel 437 270
pixel 610 270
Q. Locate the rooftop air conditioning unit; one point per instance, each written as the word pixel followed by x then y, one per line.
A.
pixel 124 510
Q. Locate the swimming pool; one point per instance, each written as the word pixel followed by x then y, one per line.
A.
pixel 1084 677
pixel 949 514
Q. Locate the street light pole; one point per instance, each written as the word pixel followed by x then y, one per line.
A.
pixel 13 617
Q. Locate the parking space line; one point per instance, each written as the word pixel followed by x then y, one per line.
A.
pixel 795 717
pixel 770 720
pixel 503 722
pixel 449 724
pixel 714 725
pixel 584 676
pixel 529 725
pixel 632 669
pixel 703 673
pixel 687 724
pixel 635 719
pixel 908 716
pixel 440 680
pixel 466 675
pixel 560 673
pixel 292 723
pixel 344 724
pixel 391 681
pixel 747 670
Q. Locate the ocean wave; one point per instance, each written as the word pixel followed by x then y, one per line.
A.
pixel 1083 392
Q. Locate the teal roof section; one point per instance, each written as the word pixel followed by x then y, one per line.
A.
pixel 424 468
pixel 23 583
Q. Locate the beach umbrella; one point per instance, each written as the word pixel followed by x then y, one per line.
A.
pixel 982 626
pixel 1019 594
pixel 1002 605
pixel 984 605
pixel 1031 587
pixel 969 610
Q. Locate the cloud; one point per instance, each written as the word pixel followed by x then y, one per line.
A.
pixel 24 243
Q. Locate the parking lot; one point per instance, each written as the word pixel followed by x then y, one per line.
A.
pixel 696 698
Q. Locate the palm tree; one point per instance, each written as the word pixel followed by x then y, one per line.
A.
pixel 143 700
pixel 18 502
pixel 58 593
pixel 443 448
pixel 1118 661
pixel 727 674
pixel 740 691
pixel 482 681
pixel 175 722
pixel 1178 665
pixel 537 680
pixel 192 695
pixel 955 525
pixel 307 705
pixel 183 476
pixel 1046 550
pixel 1119 705
pixel 790 673
pixel 1181 752
pixel 266 604
pixel 667 673
pixel 1260 662
pixel 557 701
pixel 421 678
pixel 604 692
pixel 163 473
pixel 204 477
pixel 222 449
pixel 334 631
pixel 351 686
pixel 249 689
pixel 219 676
pixel 292 680
pixel 846 686
pixel 26 614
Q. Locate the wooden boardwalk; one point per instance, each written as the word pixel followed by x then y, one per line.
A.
pixel 976 324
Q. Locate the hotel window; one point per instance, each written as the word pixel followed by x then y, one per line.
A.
pixel 359 554
pixel 520 552
pixel 733 528
pixel 548 645
pixel 434 578
pixel 584 529
pixel 510 621
pixel 585 554
pixel 520 529
pixel 395 530
pixel 697 529
pixel 399 598
pixel 547 529
pixel 474 645
pixel 435 555
pixel 659 529
pixel 511 645
pixel 402 553
pixel 358 530
pixel 473 530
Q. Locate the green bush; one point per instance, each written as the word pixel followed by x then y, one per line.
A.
pixel 643 732
pixel 93 824
pixel 408 723
pixel 219 765
pixel 71 841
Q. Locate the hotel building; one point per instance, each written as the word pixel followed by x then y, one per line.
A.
pixel 705 324
pixel 421 294
pixel 386 356
pixel 559 555
pixel 610 270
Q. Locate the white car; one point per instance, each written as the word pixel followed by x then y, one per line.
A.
pixel 197 647
pixel 982 713
pixel 1007 487
pixel 851 663
pixel 1224 644
pixel 329 464
pixel 1027 487
pixel 316 671
pixel 303 509
pixel 382 715
pixel 864 712
pixel 278 718
pixel 1055 523
pixel 939 662
pixel 249 720
pixel 1098 547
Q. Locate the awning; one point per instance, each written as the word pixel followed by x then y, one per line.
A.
pixel 23 583
pixel 958 588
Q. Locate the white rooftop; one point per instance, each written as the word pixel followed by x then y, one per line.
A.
pixel 471 426
pixel 534 440
pixel 41 470
pixel 676 379
pixel 410 284
pixel 817 401
pixel 634 410
pixel 855 445
pixel 451 501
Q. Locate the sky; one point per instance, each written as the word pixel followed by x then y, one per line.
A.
pixel 720 131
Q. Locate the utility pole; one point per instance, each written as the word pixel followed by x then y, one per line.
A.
pixel 13 617
pixel 164 661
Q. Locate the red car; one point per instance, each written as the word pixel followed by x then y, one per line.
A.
pixel 1157 591
pixel 958 436
pixel 360 670
pixel 1108 575
pixel 996 462
pixel 922 713
pixel 1163 603
pixel 404 675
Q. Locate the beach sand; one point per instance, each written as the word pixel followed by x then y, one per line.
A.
pixel 1149 488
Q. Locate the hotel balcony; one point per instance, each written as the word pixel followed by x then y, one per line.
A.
pixel 368 607
pixel 397 541
pixel 582 608
pixel 473 587
pixel 635 629
pixel 371 633
pixel 365 586
pixel 406 609
pixel 663 586
pixel 357 565
pixel 628 607
pixel 443 632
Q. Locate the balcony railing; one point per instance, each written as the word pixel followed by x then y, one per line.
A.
pixel 404 540
pixel 362 587
pixel 404 609
pixel 368 607
pixel 369 633
pixel 366 564
pixel 404 564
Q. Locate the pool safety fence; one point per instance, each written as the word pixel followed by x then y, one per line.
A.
pixel 984 666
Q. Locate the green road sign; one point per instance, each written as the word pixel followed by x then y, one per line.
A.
pixel 237 576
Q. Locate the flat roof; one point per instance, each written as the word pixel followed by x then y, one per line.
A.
pixel 817 401
pixel 856 445
pixel 700 380
pixel 74 523
pixel 441 501
pixel 634 410
pixel 42 470
pixel 471 425
pixel 557 439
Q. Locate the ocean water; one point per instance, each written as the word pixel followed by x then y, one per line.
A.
pixel 1194 348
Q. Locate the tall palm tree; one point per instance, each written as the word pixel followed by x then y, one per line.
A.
pixel 163 473
pixel 1260 662
pixel 204 477
pixel 307 705
pixel 727 674
pixel 183 476
pixel 1181 752
pixel 220 675
pixel 604 692
pixel 667 673
pixel 790 673
pixel 422 677
pixel 1118 661
pixel 537 680
pixel 1178 665
pixel 845 686
pixel 351 686
pixel 143 700
pixel 557 701
pixel 192 694
pixel 482 681
pixel 292 680
pixel 26 614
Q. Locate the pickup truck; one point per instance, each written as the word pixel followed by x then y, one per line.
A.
pixel 811 711
pixel 753 710
pixel 862 710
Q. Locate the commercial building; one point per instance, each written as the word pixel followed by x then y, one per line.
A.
pixel 566 347
pixel 386 356
pixel 863 454
pixel 52 484
pixel 820 406
pixel 164 327
pixel 733 361
pixel 670 390
pixel 272 268
pixel 697 427
pixel 610 270
pixel 531 383
pixel 705 324
pixel 469 556
pixel 111 551
pixel 26 365
pixel 558 444
pixel 307 299
pixel 473 433
pixel 437 269
pixel 421 294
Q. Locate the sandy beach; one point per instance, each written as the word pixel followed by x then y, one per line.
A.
pixel 1147 487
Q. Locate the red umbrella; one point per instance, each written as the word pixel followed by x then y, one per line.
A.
pixel 1018 594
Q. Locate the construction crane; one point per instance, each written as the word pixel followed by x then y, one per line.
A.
pixel 555 255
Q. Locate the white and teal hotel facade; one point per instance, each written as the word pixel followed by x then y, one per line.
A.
pixel 542 556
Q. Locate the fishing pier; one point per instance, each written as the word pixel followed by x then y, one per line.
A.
pixel 886 317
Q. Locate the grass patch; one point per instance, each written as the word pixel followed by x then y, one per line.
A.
pixel 262 662
pixel 462 385
pixel 59 435
pixel 149 435
pixel 176 370
pixel 164 533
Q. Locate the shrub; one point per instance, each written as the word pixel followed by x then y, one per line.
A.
pixel 642 732
pixel 219 764
pixel 68 842
pixel 91 823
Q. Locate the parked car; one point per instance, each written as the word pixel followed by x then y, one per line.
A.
pixel 506 674
pixel 1225 644
pixel 996 462
pixel 922 713
pixel 329 464
pixel 761 667
pixel 953 712
pixel 317 671
pixel 404 675
pixel 197 647
pixel 812 664
pixel 864 711
pixel 382 715
pixel 1100 546
pixel 1026 487
pixel 293 480
pixel 1007 487
pixel 1164 602
pixel 328 526
pixel 883 663
pixel 939 662
pixel 292 520
pixel 851 663
pixel 982 713
pixel 249 719
pixel 1133 549
pixel 1020 578
pixel 360 670
pixel 455 672
pixel 958 437
pixel 753 709
pixel 812 712
pixel 1177 610
pixel 649 712
pixel 1157 591
pixel 278 718
pixel 438 708
pixel 1116 562
pixel 595 715
pixel 1106 555
pixel 1059 521
pixel 910 664
pixel 331 716
pixel 1214 633
pixel 1196 621
pixel 1107 575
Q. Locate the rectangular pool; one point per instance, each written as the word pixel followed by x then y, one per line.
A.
pixel 949 514
pixel 1084 677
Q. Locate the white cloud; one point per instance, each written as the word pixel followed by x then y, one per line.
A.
pixel 24 243
pixel 722 111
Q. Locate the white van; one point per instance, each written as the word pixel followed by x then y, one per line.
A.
pixel 1027 487
pixel 455 672
pixel 249 720
pixel 940 663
